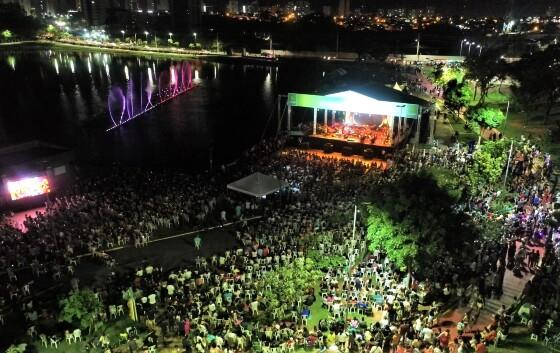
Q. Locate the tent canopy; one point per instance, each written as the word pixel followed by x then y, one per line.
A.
pixel 257 184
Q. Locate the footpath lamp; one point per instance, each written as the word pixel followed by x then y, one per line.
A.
pixel 171 37
pixel 146 34
pixel 470 44
pixel 194 34
pixel 480 51
pixel 122 32
pixel 461 50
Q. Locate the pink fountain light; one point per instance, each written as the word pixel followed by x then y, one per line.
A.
pixel 170 84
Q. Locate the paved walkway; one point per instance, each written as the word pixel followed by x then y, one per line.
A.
pixel 512 287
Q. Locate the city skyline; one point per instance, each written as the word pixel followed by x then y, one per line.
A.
pixel 499 8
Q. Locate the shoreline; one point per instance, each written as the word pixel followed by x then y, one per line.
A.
pixel 129 51
pixel 202 55
pixel 74 46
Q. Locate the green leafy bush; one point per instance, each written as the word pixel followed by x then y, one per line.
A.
pixel 491 117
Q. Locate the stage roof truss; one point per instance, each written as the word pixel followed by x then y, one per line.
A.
pixel 351 101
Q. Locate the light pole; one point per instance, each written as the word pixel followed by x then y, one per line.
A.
pixel 509 160
pixel 470 44
pixel 507 113
pixel 122 32
pixel 217 43
pixel 461 50
pixel 480 51
pixel 146 34
pixel 171 37
pixel 194 34
pixel 337 43
pixel 418 48
pixel 354 222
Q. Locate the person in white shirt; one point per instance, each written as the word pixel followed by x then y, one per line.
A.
pixel 418 325
pixel 170 290
pixel 149 270
pixel 427 334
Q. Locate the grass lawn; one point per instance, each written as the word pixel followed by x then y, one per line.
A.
pixel 112 331
pixel 495 97
pixel 534 129
pixel 318 313
pixel 519 344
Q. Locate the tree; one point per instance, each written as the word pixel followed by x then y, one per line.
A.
pixel 12 16
pixel 7 34
pixel 488 164
pixel 384 234
pixel 437 74
pixel 538 75
pixel 325 262
pixel 483 69
pixel 491 117
pixel 457 96
pixel 82 308
pixel 414 222
pixel 286 284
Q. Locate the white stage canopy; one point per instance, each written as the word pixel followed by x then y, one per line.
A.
pixel 257 184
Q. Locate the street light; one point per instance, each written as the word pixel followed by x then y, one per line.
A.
pixel 217 43
pixel 470 44
pixel 418 48
pixel 122 32
pixel 461 50
pixel 480 51
pixel 171 36
pixel 146 34
pixel 194 34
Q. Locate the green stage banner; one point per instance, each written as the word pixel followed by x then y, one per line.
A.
pixel 350 101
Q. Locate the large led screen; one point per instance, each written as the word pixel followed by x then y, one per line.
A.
pixel 28 187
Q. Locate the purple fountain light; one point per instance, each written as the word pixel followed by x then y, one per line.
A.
pixel 170 84
pixel 116 96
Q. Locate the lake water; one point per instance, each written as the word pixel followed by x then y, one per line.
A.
pixel 62 97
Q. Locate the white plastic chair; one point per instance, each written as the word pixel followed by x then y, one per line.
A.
pixel 69 338
pixel 77 334
pixel 44 341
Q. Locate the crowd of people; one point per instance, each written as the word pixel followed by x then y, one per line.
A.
pixel 217 303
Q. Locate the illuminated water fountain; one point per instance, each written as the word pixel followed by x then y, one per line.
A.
pixel 124 106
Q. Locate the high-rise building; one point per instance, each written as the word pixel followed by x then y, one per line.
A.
pixel 233 6
pixel 343 8
pixel 185 14
pixel 24 4
pixel 163 5
pixel 95 11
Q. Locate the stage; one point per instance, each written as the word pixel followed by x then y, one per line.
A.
pixel 372 162
pixel 370 120
pixel 346 147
